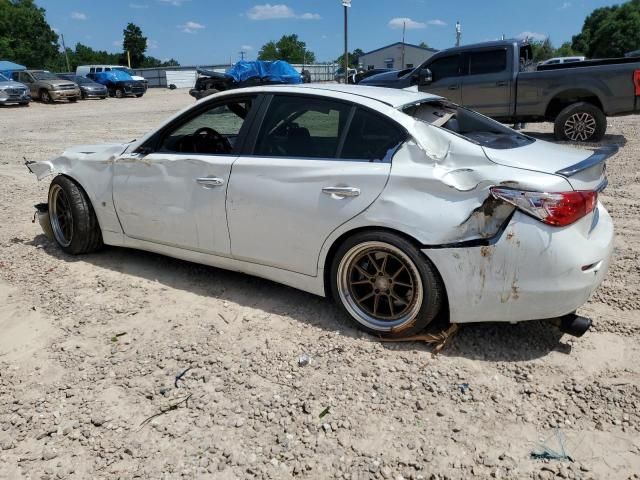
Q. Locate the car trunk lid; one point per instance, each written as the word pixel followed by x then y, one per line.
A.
pixel 583 169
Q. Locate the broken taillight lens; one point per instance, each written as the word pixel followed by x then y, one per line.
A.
pixel 558 209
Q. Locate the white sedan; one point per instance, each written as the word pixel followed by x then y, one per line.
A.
pixel 399 204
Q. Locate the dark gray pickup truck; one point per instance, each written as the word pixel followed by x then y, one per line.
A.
pixel 492 78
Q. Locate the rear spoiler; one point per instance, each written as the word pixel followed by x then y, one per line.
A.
pixel 599 156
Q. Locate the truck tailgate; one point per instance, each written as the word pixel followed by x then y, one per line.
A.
pixel 584 169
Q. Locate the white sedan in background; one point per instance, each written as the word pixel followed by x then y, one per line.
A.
pixel 399 204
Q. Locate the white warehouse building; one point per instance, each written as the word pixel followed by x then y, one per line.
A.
pixel 391 56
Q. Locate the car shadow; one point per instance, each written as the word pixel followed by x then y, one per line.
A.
pixel 619 140
pixel 482 341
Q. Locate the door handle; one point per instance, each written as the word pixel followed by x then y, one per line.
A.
pixel 453 87
pixel 501 84
pixel 210 182
pixel 342 191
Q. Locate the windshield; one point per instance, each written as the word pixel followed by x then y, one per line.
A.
pixel 125 69
pixel 44 76
pixel 467 124
pixel 3 78
pixel 79 80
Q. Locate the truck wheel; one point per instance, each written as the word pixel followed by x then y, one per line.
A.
pixel 45 96
pixel 580 122
pixel 119 93
pixel 385 284
pixel 73 220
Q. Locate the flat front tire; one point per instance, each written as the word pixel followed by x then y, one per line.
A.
pixel 580 122
pixel 73 221
pixel 385 284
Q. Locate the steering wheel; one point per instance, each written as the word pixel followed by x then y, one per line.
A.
pixel 209 136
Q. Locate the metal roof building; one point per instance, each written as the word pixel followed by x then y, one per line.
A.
pixel 392 56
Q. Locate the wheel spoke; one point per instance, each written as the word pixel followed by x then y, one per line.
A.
pixel 362 271
pixel 373 262
pixel 367 297
pixel 376 302
pixel 385 260
pixel 396 297
pixel 402 284
pixel 361 282
pixel 390 302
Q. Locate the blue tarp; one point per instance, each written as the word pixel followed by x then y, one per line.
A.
pixel 112 76
pixel 7 68
pixel 276 71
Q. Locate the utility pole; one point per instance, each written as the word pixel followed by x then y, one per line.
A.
pixel 242 52
pixel 346 4
pixel 458 33
pixel 66 55
pixel 404 26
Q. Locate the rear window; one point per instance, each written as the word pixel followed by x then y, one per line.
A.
pixel 489 61
pixel 468 124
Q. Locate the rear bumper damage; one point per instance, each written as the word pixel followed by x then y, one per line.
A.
pixel 530 271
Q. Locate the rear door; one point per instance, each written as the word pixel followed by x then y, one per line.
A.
pixel 488 82
pixel 446 77
pixel 315 163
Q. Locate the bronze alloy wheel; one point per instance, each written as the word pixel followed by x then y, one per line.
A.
pixel 380 286
pixel 61 215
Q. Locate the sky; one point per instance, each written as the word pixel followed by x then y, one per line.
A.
pixel 202 32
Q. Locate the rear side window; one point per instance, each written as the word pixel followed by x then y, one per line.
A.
pixel 371 137
pixel 489 61
pixel 445 67
pixel 302 127
pixel 92 70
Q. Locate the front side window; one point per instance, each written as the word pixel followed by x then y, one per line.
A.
pixel 213 131
pixel 445 67
pixel 302 127
pixel 489 61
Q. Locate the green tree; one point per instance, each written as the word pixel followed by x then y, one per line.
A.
pixel 25 35
pixel 354 58
pixel 565 50
pixel 288 48
pixel 134 43
pixel 150 62
pixel 610 31
pixel 423 45
pixel 542 50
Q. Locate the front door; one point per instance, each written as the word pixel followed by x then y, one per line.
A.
pixel 27 79
pixel 487 85
pixel 175 195
pixel 446 79
pixel 316 164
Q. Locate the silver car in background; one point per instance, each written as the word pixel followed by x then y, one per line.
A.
pixel 13 92
pixel 400 205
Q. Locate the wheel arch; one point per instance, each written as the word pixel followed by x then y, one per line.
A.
pixel 81 187
pixel 564 98
pixel 331 252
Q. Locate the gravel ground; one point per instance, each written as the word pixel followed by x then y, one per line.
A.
pixel 90 348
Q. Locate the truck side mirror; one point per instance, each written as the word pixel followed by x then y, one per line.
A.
pixel 425 77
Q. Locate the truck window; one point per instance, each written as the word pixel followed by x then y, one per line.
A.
pixel 98 69
pixel 445 67
pixel 488 61
pixel 92 70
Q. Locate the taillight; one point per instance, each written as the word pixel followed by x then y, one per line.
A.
pixel 636 81
pixel 558 209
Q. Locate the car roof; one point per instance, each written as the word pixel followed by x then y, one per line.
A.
pixel 392 97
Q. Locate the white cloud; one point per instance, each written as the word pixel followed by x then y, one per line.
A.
pixel 246 48
pixel 152 44
pixel 78 16
pixel 55 29
pixel 191 27
pixel 565 5
pixel 437 22
pixel 138 5
pixel 278 11
pixel 532 36
pixel 117 43
pixel 400 22
pixel 175 3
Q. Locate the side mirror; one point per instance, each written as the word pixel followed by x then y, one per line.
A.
pixel 425 77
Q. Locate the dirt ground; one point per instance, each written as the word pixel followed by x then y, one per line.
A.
pixel 90 348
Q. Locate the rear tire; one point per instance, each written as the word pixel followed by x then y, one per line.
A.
pixel 580 122
pixel 73 220
pixel 385 284
pixel 45 96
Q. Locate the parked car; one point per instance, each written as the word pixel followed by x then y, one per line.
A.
pixel 635 53
pixel 13 92
pixel 474 220
pixel 88 88
pixel 85 70
pixel 46 86
pixel 245 74
pixel 369 73
pixel 119 84
pixel 351 75
pixel 561 60
pixel 490 78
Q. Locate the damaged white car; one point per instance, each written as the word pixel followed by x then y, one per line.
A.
pixel 399 204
